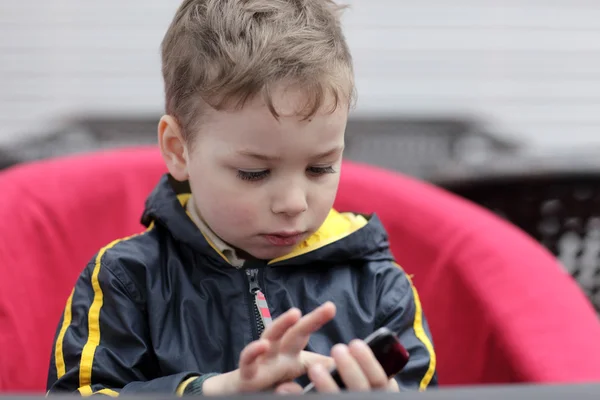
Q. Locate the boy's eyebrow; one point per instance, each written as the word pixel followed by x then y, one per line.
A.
pixel 265 157
pixel 325 154
pixel 258 156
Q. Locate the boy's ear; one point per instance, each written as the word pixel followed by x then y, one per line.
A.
pixel 172 147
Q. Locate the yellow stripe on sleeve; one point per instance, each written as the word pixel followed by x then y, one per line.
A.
pixel 422 336
pixel 58 350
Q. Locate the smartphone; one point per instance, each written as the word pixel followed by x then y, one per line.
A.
pixel 387 349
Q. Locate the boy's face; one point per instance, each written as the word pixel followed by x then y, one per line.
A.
pixel 264 185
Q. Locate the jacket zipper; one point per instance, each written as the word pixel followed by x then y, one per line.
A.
pixel 261 312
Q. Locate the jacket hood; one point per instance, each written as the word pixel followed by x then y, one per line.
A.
pixel 343 237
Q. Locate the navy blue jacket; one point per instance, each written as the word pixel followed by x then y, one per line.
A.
pixel 152 310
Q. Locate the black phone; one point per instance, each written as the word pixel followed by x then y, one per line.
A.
pixel 387 349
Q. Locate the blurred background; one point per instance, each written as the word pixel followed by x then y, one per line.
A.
pixel 497 101
pixel 523 71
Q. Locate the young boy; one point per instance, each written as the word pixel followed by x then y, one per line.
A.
pixel 245 278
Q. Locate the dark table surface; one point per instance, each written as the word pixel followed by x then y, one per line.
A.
pixel 512 392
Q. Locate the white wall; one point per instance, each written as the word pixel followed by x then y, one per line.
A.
pixel 60 57
pixel 530 66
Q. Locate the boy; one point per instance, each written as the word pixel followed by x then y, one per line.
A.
pixel 242 239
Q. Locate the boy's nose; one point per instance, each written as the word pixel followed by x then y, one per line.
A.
pixel 292 201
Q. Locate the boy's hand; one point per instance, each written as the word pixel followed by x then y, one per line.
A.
pixel 277 357
pixel 309 358
pixel 357 366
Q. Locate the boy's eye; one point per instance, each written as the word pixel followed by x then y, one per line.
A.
pixel 320 170
pixel 259 175
pixel 252 175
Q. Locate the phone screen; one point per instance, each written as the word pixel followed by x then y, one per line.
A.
pixel 389 352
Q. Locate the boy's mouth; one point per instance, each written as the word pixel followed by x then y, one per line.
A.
pixel 284 238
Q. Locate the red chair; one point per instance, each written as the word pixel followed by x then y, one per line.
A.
pixel 500 308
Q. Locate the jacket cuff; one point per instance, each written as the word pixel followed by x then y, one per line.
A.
pixel 193 386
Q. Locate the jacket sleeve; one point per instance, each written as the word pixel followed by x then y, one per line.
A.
pixel 400 310
pixel 102 345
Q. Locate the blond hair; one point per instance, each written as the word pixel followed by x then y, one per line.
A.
pixel 225 52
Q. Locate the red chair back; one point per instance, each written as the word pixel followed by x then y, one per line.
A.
pixel 499 306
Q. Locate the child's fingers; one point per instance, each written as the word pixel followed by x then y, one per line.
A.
pixel 369 365
pixel 249 354
pixel 281 325
pixel 322 380
pixel 296 337
pixel 288 388
pixel 349 369
pixel 392 386
pixel 309 358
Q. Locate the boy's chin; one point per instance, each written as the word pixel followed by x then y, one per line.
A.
pixel 267 253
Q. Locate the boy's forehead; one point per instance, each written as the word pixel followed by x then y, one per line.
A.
pixel 290 101
pixel 254 132
pixel 254 124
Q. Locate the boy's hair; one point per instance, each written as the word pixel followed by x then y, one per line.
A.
pixel 222 53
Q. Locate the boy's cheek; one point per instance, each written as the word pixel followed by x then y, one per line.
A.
pixel 233 213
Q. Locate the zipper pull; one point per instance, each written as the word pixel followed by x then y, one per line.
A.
pixel 260 301
pixel 253 280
